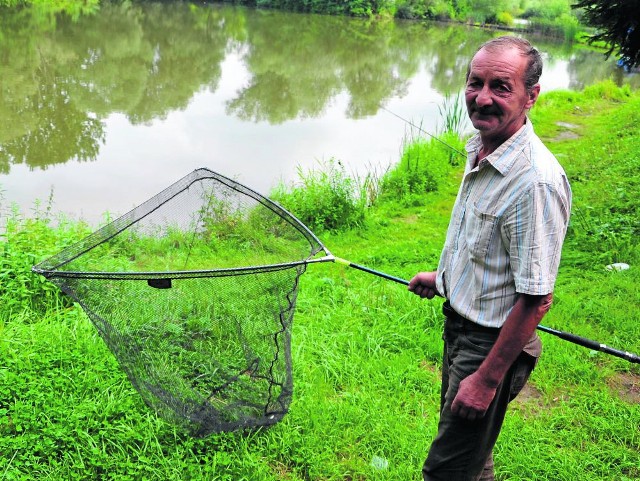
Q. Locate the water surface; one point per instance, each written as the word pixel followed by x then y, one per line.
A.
pixel 102 113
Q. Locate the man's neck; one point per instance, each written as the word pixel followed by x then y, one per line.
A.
pixel 489 146
pixel 490 143
pixel 482 153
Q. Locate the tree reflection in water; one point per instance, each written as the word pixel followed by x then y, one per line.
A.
pixel 61 81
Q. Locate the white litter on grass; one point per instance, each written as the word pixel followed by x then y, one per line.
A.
pixel 618 266
pixel 379 463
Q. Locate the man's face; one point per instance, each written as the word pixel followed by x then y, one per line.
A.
pixel 495 93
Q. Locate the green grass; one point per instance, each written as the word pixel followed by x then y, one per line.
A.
pixel 366 353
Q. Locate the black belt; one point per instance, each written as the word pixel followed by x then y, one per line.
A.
pixel 449 313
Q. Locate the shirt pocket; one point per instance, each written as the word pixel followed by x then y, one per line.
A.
pixel 479 229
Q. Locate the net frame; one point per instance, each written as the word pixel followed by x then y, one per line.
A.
pixel 265 376
pixel 51 267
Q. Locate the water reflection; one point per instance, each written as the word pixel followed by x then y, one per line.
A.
pixel 136 96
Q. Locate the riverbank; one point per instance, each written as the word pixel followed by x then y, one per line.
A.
pixel 366 354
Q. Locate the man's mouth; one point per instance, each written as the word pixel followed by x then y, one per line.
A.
pixel 486 112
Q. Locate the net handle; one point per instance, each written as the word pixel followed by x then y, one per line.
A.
pixel 581 341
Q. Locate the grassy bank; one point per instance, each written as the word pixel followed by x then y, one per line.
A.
pixel 366 354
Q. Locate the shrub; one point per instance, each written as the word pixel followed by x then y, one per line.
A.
pixel 547 9
pixel 413 9
pixel 324 199
pixel 426 9
pixel 24 243
pixel 504 18
pixel 423 166
pixel 425 163
pixel 570 26
pixel 607 89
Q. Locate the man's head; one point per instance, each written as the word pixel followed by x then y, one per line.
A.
pixel 502 85
pixel 534 65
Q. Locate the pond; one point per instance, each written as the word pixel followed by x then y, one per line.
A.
pixel 101 113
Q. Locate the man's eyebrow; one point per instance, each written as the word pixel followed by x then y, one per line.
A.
pixel 504 80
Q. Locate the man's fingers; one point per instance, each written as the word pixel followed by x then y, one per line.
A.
pixel 455 407
pixel 423 284
pixel 424 292
pixel 466 412
pixel 429 293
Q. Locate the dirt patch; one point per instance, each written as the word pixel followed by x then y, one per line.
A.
pixel 528 392
pixel 568 133
pixel 627 385
pixel 410 219
pixel 567 125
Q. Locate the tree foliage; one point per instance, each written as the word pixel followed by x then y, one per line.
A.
pixel 618 25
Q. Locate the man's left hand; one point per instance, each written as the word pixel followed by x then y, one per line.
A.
pixel 473 398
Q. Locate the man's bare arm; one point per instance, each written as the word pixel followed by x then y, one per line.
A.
pixel 476 392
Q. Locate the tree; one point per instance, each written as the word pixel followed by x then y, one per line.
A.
pixel 618 24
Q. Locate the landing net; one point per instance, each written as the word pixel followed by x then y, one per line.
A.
pixel 194 292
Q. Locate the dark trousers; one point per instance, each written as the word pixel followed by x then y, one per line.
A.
pixel 462 449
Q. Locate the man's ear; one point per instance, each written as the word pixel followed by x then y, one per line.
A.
pixel 533 96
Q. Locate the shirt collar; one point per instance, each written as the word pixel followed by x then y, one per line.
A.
pixel 504 157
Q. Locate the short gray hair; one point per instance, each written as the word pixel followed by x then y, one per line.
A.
pixel 534 67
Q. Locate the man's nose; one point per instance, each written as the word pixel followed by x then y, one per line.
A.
pixel 484 98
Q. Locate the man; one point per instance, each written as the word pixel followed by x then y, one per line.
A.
pixel 499 262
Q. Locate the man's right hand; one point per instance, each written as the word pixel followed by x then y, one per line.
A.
pixel 423 284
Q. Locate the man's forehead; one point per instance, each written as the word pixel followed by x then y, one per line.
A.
pixel 500 50
pixel 500 62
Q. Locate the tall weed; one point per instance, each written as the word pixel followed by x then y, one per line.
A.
pixel 425 163
pixel 454 114
pixel 370 185
pixel 325 198
pixel 423 166
pixel 25 242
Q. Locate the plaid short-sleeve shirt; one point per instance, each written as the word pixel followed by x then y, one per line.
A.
pixel 506 230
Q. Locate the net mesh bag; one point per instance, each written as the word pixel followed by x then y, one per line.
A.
pixel 194 292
